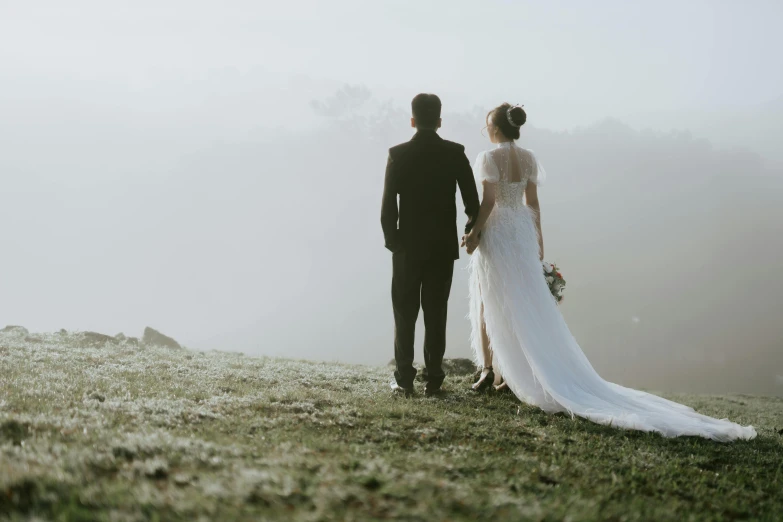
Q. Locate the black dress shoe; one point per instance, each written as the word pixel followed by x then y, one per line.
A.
pixel 433 392
pixel 399 390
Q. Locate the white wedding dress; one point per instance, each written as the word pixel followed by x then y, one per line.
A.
pixel 533 348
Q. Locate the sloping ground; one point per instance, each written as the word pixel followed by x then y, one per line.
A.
pixel 127 432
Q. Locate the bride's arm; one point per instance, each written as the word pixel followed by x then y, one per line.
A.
pixel 487 204
pixel 531 198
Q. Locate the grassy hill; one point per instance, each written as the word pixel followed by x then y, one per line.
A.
pixel 126 432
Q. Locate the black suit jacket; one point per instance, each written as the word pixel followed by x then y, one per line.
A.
pixel 425 173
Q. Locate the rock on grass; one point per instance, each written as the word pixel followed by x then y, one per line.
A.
pixel 153 337
pixel 15 330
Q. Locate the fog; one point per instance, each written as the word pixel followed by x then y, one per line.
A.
pixel 214 170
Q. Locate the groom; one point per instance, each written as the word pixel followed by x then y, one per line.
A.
pixel 422 234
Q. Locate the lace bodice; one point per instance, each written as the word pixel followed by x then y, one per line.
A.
pixel 512 168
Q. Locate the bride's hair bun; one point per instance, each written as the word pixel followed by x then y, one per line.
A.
pixel 508 118
pixel 518 116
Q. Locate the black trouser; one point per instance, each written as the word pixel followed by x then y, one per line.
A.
pixel 424 283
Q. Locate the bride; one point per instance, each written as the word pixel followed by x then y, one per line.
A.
pixel 516 321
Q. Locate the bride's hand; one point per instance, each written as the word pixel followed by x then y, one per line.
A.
pixel 470 241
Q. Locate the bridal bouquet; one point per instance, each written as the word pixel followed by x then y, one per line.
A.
pixel 554 279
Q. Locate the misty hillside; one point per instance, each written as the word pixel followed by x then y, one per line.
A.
pixel 268 241
pixel 93 428
pixel 662 227
pixel 756 127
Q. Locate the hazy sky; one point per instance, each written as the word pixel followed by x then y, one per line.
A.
pixel 569 62
pixel 155 169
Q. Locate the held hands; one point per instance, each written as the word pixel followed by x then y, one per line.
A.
pixel 471 241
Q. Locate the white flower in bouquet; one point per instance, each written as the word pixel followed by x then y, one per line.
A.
pixel 548 268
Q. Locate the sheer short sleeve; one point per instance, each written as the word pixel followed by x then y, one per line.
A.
pixel 539 174
pixel 485 169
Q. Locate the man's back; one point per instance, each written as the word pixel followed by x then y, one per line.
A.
pixel 422 233
pixel 425 172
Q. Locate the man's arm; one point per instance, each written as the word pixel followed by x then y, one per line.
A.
pixel 467 187
pixel 389 210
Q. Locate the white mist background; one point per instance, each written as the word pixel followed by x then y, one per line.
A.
pixel 214 171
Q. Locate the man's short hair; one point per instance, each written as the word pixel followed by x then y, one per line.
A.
pixel 426 110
